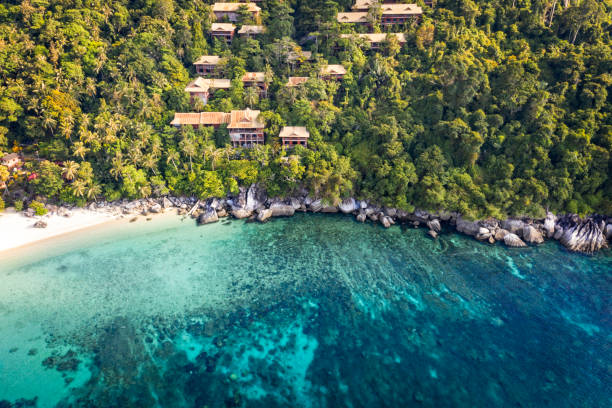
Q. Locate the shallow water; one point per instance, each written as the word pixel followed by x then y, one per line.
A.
pixel 312 311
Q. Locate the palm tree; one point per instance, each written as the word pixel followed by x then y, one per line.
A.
pixel 117 166
pixel 94 191
pixel 70 169
pixel 188 147
pixel 78 188
pixel 173 157
pixel 80 150
pixel 251 96
pixel 150 162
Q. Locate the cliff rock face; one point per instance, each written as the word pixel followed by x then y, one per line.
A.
pixel 208 216
pixel 255 198
pixel 549 224
pixel 582 235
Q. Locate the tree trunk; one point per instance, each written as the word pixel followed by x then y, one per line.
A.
pixel 552 13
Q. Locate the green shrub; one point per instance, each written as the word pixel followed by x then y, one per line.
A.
pixel 1 204
pixel 18 205
pixel 39 208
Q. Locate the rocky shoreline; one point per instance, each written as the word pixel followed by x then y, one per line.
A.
pixel 585 235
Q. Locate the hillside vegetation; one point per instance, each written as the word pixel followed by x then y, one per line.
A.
pixel 493 107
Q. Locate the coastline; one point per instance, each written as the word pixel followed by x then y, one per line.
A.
pixel 586 235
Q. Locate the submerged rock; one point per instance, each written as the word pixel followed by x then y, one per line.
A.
pixel 241 213
pixel 361 217
pixel 432 233
pixel 513 240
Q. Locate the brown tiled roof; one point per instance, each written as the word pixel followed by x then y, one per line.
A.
pixel 208 60
pixel 202 118
pixel 254 77
pixel 333 69
pixel 251 29
pixel 233 7
pixel 293 55
pixel 204 84
pixel 295 81
pixel 248 118
pixel 217 27
pixel 401 9
pixel 294 131
pixel 353 17
pixel 376 37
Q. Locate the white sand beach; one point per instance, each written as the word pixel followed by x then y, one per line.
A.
pixel 17 230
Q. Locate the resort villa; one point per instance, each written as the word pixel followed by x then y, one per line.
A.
pixel 231 10
pixel 391 13
pixel 294 135
pixel 333 71
pixel 249 31
pixel 202 88
pixel 257 79
pixel 207 65
pixel 244 126
pixel 223 31
pixel 376 39
pixel 296 81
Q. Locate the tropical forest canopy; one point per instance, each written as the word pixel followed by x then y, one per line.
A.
pixel 491 108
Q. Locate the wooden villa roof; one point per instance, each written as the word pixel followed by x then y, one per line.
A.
pixel 241 119
pixel 222 27
pixel 376 37
pixel 208 60
pixel 254 77
pixel 204 84
pixel 294 131
pixel 363 4
pixel 353 17
pixel 296 81
pixel 233 7
pixel 296 55
pixel 10 156
pixel 333 69
pixel 401 9
pixel 252 29
pixel 200 119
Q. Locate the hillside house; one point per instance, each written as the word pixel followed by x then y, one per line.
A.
pixel 223 31
pixel 376 39
pixel 257 79
pixel 250 31
pixel 296 81
pixel 214 119
pixel 202 88
pixel 230 10
pixel 12 161
pixel 356 17
pixel 207 65
pixel 245 128
pixel 291 136
pixel 364 5
pixel 400 13
pixel 333 71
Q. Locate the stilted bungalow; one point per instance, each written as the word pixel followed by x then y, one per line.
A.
pixel 296 81
pixel 375 40
pixel 245 128
pixel 257 79
pixel 195 119
pixel 202 88
pixel 223 31
pixel 364 5
pixel 230 10
pixel 333 71
pixel 294 135
pixel 400 13
pixel 207 65
pixel 356 17
pixel 250 31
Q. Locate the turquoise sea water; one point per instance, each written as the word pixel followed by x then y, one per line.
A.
pixel 311 311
